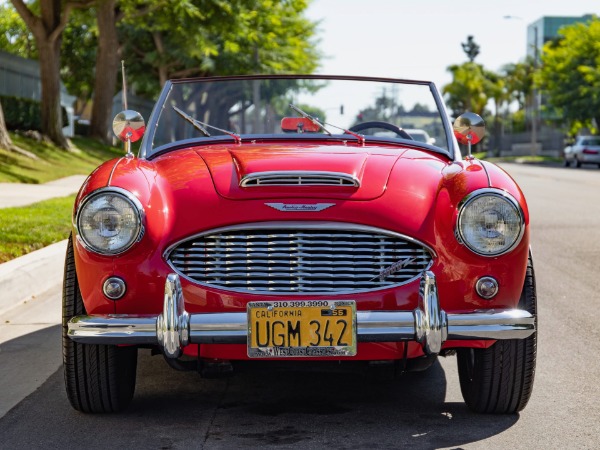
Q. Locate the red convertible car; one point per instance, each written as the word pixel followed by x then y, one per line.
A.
pixel 292 218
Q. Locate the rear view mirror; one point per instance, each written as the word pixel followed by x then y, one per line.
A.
pixel 298 125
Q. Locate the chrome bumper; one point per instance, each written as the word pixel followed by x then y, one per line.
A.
pixel 175 328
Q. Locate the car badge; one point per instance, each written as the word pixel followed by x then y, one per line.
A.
pixel 393 269
pixel 300 207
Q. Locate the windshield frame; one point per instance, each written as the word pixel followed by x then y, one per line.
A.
pixel 147 151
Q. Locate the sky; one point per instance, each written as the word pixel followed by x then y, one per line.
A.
pixel 419 39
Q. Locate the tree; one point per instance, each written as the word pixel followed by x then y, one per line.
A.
pixel 570 74
pixel 518 79
pixel 78 56
pixel 230 37
pixel 496 90
pixel 107 63
pixel 467 90
pixel 15 37
pixel 47 28
pixel 471 48
pixel 5 141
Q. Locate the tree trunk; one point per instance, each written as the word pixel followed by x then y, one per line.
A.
pixel 47 30
pixel 160 49
pixel 52 123
pixel 5 141
pixel 107 63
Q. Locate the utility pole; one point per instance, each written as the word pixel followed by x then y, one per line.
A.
pixel 534 105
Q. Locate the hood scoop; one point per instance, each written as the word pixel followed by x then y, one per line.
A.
pixel 299 178
pixel 277 170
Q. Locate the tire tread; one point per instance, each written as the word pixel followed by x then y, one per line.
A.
pixel 98 378
pixel 499 379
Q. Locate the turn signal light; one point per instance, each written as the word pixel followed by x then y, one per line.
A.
pixel 487 287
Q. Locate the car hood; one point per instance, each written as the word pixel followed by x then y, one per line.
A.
pixel 301 170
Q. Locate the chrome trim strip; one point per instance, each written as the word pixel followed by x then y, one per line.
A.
pixel 175 328
pixel 291 175
pixel 112 172
pixel 113 329
pixel 512 323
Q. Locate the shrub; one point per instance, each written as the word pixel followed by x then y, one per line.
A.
pixel 25 114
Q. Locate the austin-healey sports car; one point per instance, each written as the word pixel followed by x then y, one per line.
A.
pixel 292 218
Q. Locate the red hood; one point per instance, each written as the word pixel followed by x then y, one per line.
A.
pixel 228 165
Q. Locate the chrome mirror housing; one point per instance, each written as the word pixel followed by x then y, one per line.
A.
pixel 469 129
pixel 129 126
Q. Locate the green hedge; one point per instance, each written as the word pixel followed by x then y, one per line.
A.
pixel 25 114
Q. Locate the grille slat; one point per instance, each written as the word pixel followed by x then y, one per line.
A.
pixel 280 261
pixel 299 178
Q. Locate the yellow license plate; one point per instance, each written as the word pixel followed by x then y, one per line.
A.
pixel 282 329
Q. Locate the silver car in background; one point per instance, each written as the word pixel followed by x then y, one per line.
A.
pixel 585 150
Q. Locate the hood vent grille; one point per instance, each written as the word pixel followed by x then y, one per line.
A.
pixel 299 178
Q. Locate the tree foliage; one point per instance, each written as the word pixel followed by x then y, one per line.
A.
pixel 469 89
pixel 15 37
pixel 162 39
pixel 518 80
pixel 229 37
pixel 570 74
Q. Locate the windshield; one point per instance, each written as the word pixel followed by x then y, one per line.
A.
pixel 242 108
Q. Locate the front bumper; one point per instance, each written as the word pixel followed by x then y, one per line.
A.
pixel 175 328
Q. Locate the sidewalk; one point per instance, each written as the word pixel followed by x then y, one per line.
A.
pixel 30 275
pixel 17 194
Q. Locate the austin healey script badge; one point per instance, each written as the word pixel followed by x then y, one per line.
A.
pixel 300 207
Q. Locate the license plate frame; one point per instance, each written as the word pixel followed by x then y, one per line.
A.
pixel 303 318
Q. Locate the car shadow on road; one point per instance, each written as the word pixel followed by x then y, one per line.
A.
pixel 344 407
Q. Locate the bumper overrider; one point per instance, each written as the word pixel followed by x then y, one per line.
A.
pixel 175 328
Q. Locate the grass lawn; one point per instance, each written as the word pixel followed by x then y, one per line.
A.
pixel 52 162
pixel 28 228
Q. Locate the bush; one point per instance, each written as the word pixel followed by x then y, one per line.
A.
pixel 25 114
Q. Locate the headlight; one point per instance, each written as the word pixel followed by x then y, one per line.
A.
pixel 490 222
pixel 110 221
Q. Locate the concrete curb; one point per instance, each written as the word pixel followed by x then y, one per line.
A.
pixel 30 275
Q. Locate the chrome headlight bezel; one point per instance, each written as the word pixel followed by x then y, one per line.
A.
pixel 503 196
pixel 135 205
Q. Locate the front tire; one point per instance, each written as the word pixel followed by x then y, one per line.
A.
pixel 499 379
pixel 98 378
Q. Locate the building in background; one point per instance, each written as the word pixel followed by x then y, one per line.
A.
pixel 542 139
pixel 546 29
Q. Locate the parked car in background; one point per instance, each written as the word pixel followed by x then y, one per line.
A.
pixel 585 150
pixel 248 229
pixel 420 135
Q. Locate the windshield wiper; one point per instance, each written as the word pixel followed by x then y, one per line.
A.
pixel 360 137
pixel 311 118
pixel 200 126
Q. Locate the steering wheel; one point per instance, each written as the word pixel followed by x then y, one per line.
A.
pixel 386 126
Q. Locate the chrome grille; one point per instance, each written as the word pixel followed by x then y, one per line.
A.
pixel 299 178
pixel 296 260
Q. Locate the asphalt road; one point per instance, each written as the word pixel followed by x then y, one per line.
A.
pixel 355 408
